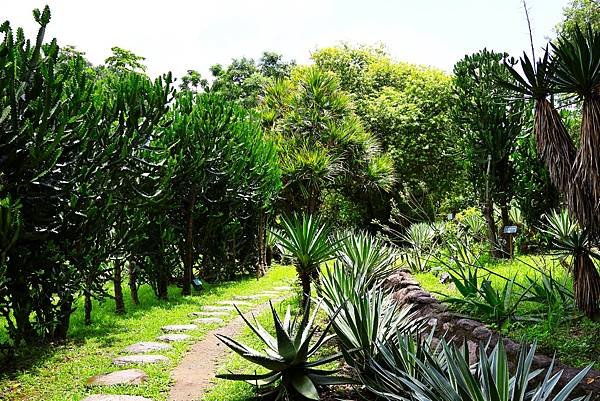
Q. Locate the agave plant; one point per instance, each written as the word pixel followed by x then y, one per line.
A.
pixel 287 357
pixel 451 378
pixel 574 242
pixel 307 240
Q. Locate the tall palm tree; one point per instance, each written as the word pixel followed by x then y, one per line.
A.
pixel 571 70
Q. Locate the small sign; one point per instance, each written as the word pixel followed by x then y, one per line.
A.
pixel 197 283
pixel 510 229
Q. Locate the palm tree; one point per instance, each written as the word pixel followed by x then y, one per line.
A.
pixel 571 70
pixel 307 240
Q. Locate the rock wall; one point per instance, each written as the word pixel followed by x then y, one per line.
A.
pixel 407 291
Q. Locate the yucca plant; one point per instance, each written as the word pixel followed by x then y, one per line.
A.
pixel 365 259
pixel 307 240
pixel 287 357
pixel 451 378
pixel 362 318
pixel 420 238
pixel 576 249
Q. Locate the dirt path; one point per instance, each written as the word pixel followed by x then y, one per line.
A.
pixel 194 374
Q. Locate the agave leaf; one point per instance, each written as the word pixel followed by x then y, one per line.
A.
pixel 303 385
pixel 285 346
pixel 330 380
pixel 266 361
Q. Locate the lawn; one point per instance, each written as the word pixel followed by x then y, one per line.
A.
pixel 572 337
pixel 59 373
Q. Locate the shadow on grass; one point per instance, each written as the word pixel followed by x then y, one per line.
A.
pixel 106 325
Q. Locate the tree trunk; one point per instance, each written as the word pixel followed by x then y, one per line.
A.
pixel 261 266
pixel 62 325
pixel 117 281
pixel 188 262
pixel 162 285
pixel 133 289
pixel 305 284
pixel 488 212
pixel 505 222
pixel 88 308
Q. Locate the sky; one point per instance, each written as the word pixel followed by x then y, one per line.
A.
pixel 177 35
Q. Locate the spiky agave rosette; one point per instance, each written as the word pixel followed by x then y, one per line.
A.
pixel 287 357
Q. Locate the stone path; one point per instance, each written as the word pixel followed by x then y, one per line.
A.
pixel 196 371
pixel 129 376
pixel 194 374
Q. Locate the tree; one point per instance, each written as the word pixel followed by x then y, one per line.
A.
pixel 125 60
pixel 570 70
pixel 407 108
pixel 490 123
pixel 219 169
pixel 243 81
pixel 579 13
pixel 324 147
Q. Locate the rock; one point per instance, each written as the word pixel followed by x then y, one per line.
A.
pixel 129 376
pixel 178 327
pixel 143 347
pixel 246 297
pixel 173 337
pixel 209 320
pixel 107 397
pixel 209 314
pixel 482 333
pixel 232 303
pixel 211 308
pixel 445 278
pixel 468 325
pixel 143 359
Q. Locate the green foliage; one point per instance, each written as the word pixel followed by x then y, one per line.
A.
pixel 452 378
pixel 407 107
pixel 323 144
pixel 490 123
pixel 123 60
pixel 579 13
pixel 288 357
pixel 306 239
pixel 422 244
pixel 243 81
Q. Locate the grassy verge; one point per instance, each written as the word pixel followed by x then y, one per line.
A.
pixel 574 339
pixel 59 373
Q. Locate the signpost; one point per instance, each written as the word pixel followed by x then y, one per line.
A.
pixel 510 231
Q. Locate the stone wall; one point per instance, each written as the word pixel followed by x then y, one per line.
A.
pixel 407 291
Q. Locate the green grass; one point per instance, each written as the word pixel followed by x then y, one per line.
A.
pixel 59 373
pixel 227 390
pixel 574 340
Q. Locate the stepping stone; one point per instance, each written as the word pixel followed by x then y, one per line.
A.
pixel 209 320
pixel 174 337
pixel 143 347
pixel 209 314
pixel 129 376
pixel 127 359
pixel 239 303
pixel 178 327
pixel 103 397
pixel 271 293
pixel 211 308
pixel 247 297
